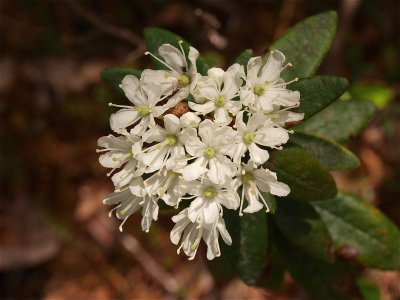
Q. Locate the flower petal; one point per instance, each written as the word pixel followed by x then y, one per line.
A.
pixel 173 57
pixel 123 118
pixel 272 68
pixel 195 169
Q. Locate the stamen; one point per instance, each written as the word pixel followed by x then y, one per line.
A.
pixel 286 83
pixel 241 202
pixel 160 60
pixel 120 106
pixel 288 65
pixel 122 224
pixel 183 52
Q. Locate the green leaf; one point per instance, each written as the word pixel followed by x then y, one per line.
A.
pixel 318 92
pixel 306 44
pixel 155 37
pixel 248 251
pixel 114 75
pixel 244 57
pixel 369 290
pixel 340 120
pixel 315 276
pixel 360 231
pixel 275 270
pixel 329 153
pixel 307 178
pixel 303 227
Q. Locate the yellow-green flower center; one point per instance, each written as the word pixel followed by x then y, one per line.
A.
pixel 171 140
pixel 259 89
pixel 249 138
pixel 220 101
pixel 143 110
pixel 247 178
pixel 210 192
pixel 209 152
pixel 183 80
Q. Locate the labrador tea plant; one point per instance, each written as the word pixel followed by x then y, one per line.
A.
pixel 218 145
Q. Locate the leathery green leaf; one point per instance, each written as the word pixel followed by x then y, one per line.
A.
pixel 360 231
pixel 306 43
pixel 307 178
pixel 340 120
pixel 303 226
pixel 329 153
pixel 248 251
pixel 318 92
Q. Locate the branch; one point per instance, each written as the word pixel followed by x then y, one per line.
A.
pixel 110 29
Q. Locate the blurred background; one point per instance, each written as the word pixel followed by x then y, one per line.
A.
pixel 57 241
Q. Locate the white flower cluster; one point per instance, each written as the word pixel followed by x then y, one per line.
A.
pixel 211 155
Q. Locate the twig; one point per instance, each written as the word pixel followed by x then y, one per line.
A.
pixel 110 29
pixel 149 264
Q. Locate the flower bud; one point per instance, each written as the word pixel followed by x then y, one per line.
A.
pixel 189 119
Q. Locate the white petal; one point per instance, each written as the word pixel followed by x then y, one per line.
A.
pixel 253 66
pixel 137 187
pixel 222 117
pixel 283 97
pixel 193 55
pixel 211 213
pixel 217 74
pixel 271 137
pixel 195 169
pixel 272 68
pixel 194 146
pixel 168 83
pixel 203 108
pixel 123 118
pixel 112 159
pixel 171 124
pixel 229 198
pixel 232 81
pixel 196 208
pixel 258 155
pixel 154 159
pixel 247 97
pixel 173 57
pixel 131 87
pixel 224 233
pixel 252 198
pixel 220 170
pixel 154 134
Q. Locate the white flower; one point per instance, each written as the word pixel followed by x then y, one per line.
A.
pixel 169 147
pixel 167 185
pixel 120 152
pixel 264 89
pixel 254 181
pixel 216 94
pixel 181 74
pixel 145 109
pixel 259 130
pixel 190 120
pixel 129 199
pixel 210 152
pixel 193 232
pixel 208 200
